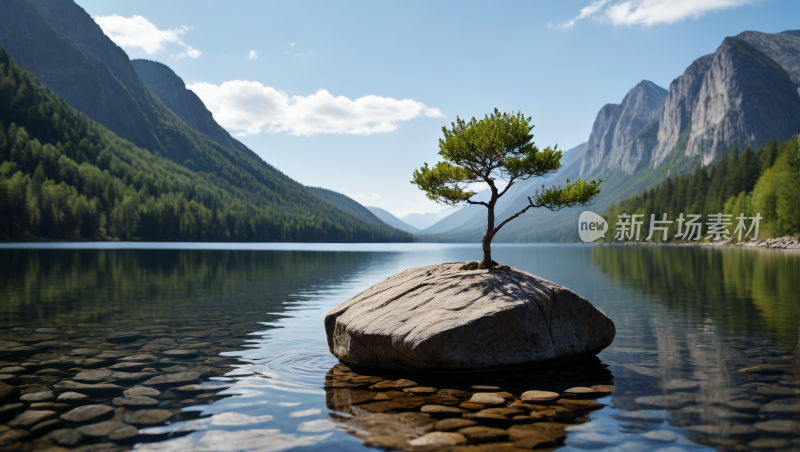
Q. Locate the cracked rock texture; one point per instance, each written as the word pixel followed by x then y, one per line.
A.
pixel 442 318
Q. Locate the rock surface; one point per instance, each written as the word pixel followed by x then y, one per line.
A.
pixel 442 318
pixel 612 142
pixel 731 107
pixel 678 108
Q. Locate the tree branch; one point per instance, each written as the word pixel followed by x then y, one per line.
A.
pixel 512 217
pixel 557 207
pixel 510 183
pixel 477 203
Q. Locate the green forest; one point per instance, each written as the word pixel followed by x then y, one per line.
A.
pixel 63 176
pixel 750 183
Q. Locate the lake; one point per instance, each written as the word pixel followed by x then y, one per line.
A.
pixel 222 347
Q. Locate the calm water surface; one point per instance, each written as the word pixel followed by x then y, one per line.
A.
pixel 687 319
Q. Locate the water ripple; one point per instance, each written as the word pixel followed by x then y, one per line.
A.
pixel 295 369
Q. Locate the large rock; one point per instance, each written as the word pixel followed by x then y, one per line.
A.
pixel 442 318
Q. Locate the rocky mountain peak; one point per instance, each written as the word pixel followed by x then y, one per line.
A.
pixel 611 143
pixel 782 47
pixel 746 98
pixel 678 108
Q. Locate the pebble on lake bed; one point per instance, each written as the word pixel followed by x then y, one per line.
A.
pixel 402 383
pixel 539 396
pixel 487 398
pixel 439 439
pixel 38 397
pixel 146 418
pixel 32 417
pixel 455 423
pixel 88 413
pixel 782 426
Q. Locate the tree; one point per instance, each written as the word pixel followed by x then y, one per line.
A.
pixel 497 147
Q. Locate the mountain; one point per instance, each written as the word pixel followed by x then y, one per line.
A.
pixel 64 176
pixel 67 51
pixel 746 99
pixel 97 81
pixel 172 91
pixel 678 108
pixel 613 142
pixel 459 218
pixel 766 182
pixel 744 94
pixel 782 47
pixel 422 220
pixel 348 205
pixel 737 97
pixel 392 220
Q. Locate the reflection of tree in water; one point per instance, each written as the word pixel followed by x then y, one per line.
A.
pixel 749 291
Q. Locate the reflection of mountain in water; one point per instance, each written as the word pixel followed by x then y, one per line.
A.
pixel 97 285
pixel 748 291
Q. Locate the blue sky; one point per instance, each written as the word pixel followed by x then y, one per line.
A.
pixel 352 96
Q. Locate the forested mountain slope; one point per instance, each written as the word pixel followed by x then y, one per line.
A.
pixel 68 52
pixel 64 176
pixel 348 205
pixel 766 183
pixel 172 91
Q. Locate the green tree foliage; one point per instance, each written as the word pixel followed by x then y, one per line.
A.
pixel 497 147
pixel 63 176
pixel 764 182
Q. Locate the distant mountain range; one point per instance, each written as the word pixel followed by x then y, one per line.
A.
pixel 742 95
pixel 392 220
pixel 148 104
pixel 423 221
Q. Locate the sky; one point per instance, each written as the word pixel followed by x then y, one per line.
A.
pixel 352 96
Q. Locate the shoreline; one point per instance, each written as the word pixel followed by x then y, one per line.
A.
pixel 785 242
pixel 782 243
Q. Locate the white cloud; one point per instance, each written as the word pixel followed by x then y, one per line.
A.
pixel 191 52
pixel 586 11
pixel 136 32
pixel 308 412
pixel 247 107
pixel 363 197
pixel 649 12
pixel 291 45
pixel 319 425
pixel 253 54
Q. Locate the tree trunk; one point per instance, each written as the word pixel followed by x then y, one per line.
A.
pixel 487 239
pixel 487 251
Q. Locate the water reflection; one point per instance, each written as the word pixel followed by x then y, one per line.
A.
pixel 705 353
pixel 746 291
